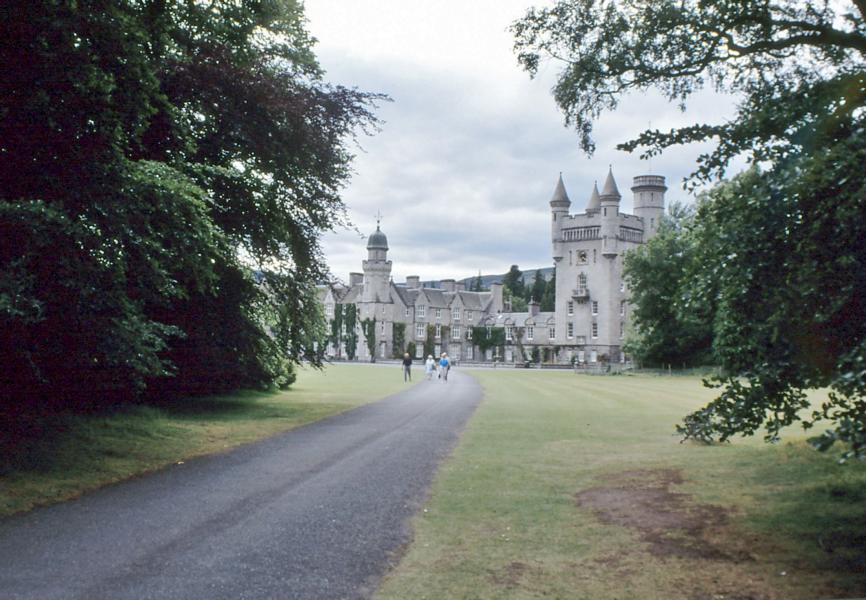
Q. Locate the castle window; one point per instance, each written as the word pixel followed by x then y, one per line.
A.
pixel 469 315
pixel 455 314
pixel 595 307
pixel 329 311
pixel 570 307
pixel 509 332
pixel 581 284
pixel 419 331
pixel 530 332
pixel 569 330
pixel 382 328
pixel 422 311
pixel 407 312
pixel 595 330
pixel 594 254
pixel 570 257
pixel 468 333
pixel 455 332
pixel 621 329
pixel 551 332
pixel 438 331
pixel 438 313
pixel 622 308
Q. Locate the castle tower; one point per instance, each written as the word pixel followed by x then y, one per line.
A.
pixel 377 268
pixel 609 202
pixel 649 201
pixel 594 204
pixel 559 206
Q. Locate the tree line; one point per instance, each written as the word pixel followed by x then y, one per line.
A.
pixel 166 168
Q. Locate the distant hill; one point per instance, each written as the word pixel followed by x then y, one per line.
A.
pixel 486 280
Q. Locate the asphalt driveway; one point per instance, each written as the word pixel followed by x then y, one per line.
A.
pixel 318 512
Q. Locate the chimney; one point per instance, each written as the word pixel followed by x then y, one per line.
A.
pixel 356 278
pixel 496 292
pixel 448 285
pixel 534 307
pixel 460 286
pixel 413 282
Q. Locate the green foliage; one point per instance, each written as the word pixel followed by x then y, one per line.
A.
pixel 670 327
pixel 430 341
pixel 350 337
pixel 513 282
pixel 548 299
pixel 135 176
pixel 411 348
pixel 487 338
pixel 368 328
pixel 399 337
pixel 782 255
pixel 477 284
pixel 778 253
pixel 539 285
pixel 796 66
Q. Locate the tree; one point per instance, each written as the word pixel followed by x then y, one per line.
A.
pixel 350 327
pixel 796 66
pixel 399 339
pixel 548 299
pixel 668 329
pixel 513 282
pixel 478 285
pixel 783 271
pixel 167 168
pixel 539 285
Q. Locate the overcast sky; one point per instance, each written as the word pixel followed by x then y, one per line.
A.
pixel 471 147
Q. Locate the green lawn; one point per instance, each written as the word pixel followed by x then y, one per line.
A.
pixel 78 454
pixel 567 486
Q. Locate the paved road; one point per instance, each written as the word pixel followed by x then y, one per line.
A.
pixel 315 513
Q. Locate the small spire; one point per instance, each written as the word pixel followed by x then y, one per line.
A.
pixel 594 199
pixel 560 197
pixel 610 190
pixel 378 219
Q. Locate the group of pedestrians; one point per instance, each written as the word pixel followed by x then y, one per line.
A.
pixel 441 367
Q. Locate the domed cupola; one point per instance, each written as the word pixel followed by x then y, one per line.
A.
pixel 377 240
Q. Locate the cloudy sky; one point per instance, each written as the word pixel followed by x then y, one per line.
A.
pixel 471 147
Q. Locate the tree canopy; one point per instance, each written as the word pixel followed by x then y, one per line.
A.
pixel 166 169
pixel 795 66
pixel 778 254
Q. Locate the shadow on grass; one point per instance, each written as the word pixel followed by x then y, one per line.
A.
pixel 820 506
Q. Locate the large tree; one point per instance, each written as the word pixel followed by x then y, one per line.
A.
pixel 667 327
pixel 166 169
pixel 783 264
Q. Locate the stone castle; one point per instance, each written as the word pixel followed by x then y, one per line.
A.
pixel 591 309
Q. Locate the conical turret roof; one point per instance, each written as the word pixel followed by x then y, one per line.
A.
pixel 560 197
pixel 610 191
pixel 594 199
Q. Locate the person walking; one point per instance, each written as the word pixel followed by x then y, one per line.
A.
pixel 444 366
pixel 407 367
pixel 429 366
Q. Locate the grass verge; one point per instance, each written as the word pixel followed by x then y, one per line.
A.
pixel 76 454
pixel 569 486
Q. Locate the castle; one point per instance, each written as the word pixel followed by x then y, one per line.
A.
pixel 591 309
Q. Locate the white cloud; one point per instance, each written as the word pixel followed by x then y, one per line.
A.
pixel 471 147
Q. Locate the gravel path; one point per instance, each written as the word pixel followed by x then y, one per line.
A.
pixel 314 513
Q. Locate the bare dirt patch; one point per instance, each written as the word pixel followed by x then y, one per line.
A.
pixel 669 521
pixel 509 577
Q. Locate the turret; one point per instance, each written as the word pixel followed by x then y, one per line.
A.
pixel 649 201
pixel 377 268
pixel 609 201
pixel 594 204
pixel 559 206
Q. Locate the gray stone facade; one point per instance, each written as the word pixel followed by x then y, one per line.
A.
pixel 591 311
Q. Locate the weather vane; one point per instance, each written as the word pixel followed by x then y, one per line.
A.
pixel 378 218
